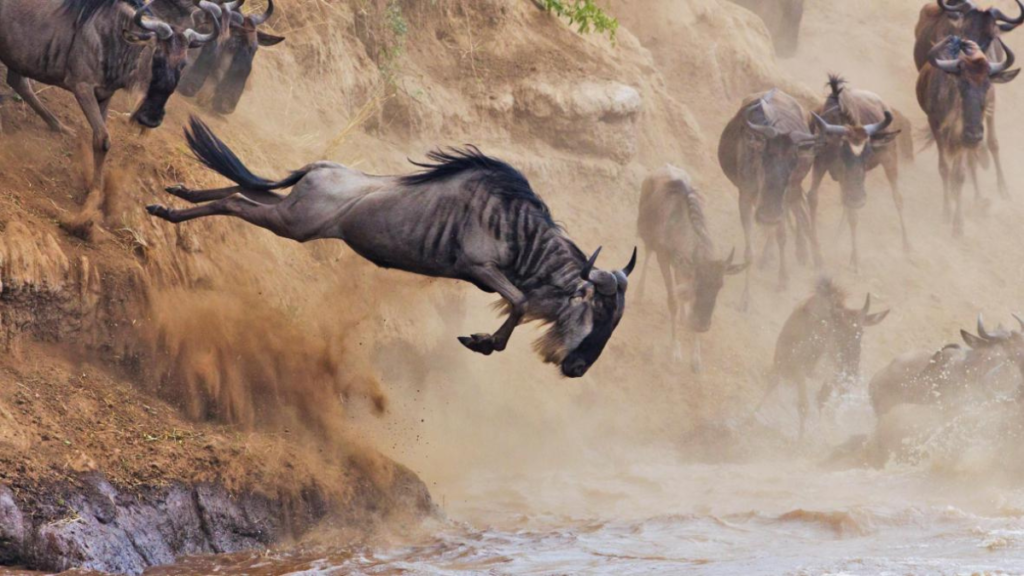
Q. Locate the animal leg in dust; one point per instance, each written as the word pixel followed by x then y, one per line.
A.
pixel 488 275
pixel 200 196
pixel 23 87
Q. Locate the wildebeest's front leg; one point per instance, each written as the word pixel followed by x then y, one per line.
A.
pixel 95 113
pixel 665 263
pixel 492 278
pixel 747 218
pixel 853 214
pixel 23 88
pixel 993 147
pixel 812 208
pixel 780 237
pixel 891 166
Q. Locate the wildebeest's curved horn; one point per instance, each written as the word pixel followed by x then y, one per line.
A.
pixel 585 273
pixel 233 6
pixel 196 39
pixel 261 18
pixel 827 128
pixel 965 6
pixel 1019 321
pixel 983 332
pixel 1006 63
pixel 766 131
pixel 162 29
pixel 604 282
pixel 873 129
pixel 210 8
pixel 934 56
pixel 1013 22
pixel 632 264
pixel 867 306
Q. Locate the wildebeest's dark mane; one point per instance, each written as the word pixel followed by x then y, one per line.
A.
pixel 499 177
pixel 84 10
pixel 836 83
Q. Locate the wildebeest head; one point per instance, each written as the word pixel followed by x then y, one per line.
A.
pixel 708 279
pixel 981 26
pixel 1010 343
pixel 857 145
pixel 847 331
pixel 784 159
pixel 975 75
pixel 586 322
pixel 227 64
pixel 170 53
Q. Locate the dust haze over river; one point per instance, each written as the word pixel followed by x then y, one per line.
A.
pixel 648 469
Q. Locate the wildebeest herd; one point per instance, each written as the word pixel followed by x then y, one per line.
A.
pixel 489 228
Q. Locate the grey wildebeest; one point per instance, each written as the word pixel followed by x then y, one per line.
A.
pixel 964 19
pixel 224 66
pixel 856 124
pixel 991 366
pixel 467 217
pixel 955 91
pixel 821 329
pixel 961 18
pixel 766 151
pixel 93 48
pixel 674 230
pixel 782 18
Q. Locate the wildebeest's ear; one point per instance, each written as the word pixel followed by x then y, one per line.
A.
pixel 1004 77
pixel 736 269
pixel 133 37
pixel 265 39
pixel 972 340
pixel 875 319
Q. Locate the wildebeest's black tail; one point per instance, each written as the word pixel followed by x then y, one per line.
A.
pixel 216 155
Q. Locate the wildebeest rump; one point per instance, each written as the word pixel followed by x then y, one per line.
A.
pixel 822 329
pixel 93 48
pixel 955 91
pixel 961 18
pixel 766 151
pixel 856 124
pixel 224 66
pixel 467 217
pixel 674 230
pixel 782 18
pixel 992 365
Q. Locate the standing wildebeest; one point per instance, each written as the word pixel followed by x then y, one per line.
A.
pixel 983 27
pixel 955 90
pixel 93 48
pixel 766 151
pixel 673 228
pixel 822 328
pixel 991 366
pixel 466 217
pixel 782 18
pixel 964 19
pixel 855 123
pixel 225 65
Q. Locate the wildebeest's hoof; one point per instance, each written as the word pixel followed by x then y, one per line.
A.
pixel 159 211
pixel 480 343
pixel 178 190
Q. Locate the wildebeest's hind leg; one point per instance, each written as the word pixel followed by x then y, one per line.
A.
pixel 23 88
pixel 993 147
pixel 747 218
pixel 893 175
pixel 491 277
pixel 200 196
pixel 673 305
pixel 972 166
pixel 643 273
pixel 780 237
pixel 237 205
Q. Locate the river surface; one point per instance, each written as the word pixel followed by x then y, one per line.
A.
pixel 691 519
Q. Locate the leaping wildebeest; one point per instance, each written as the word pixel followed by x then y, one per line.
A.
pixel 964 19
pixel 466 216
pixel 856 124
pixel 674 230
pixel 822 329
pixel 766 151
pixel 955 91
pixel 93 48
pixel 224 66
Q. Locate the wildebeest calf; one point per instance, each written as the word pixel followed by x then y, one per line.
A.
pixel 467 217
pixel 822 329
pixel 674 230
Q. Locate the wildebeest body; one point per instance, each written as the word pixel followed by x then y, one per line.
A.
pixel 467 217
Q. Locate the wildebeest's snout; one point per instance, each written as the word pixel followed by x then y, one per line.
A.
pixel 574 367
pixel 973 136
pixel 149 117
pixel 769 214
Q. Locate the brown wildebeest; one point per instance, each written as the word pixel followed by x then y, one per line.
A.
pixel 991 366
pixel 964 19
pixel 466 217
pixel 821 329
pixel 225 65
pixel 855 123
pixel 766 151
pixel 93 48
pixel 955 90
pixel 782 18
pixel 961 18
pixel 674 230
